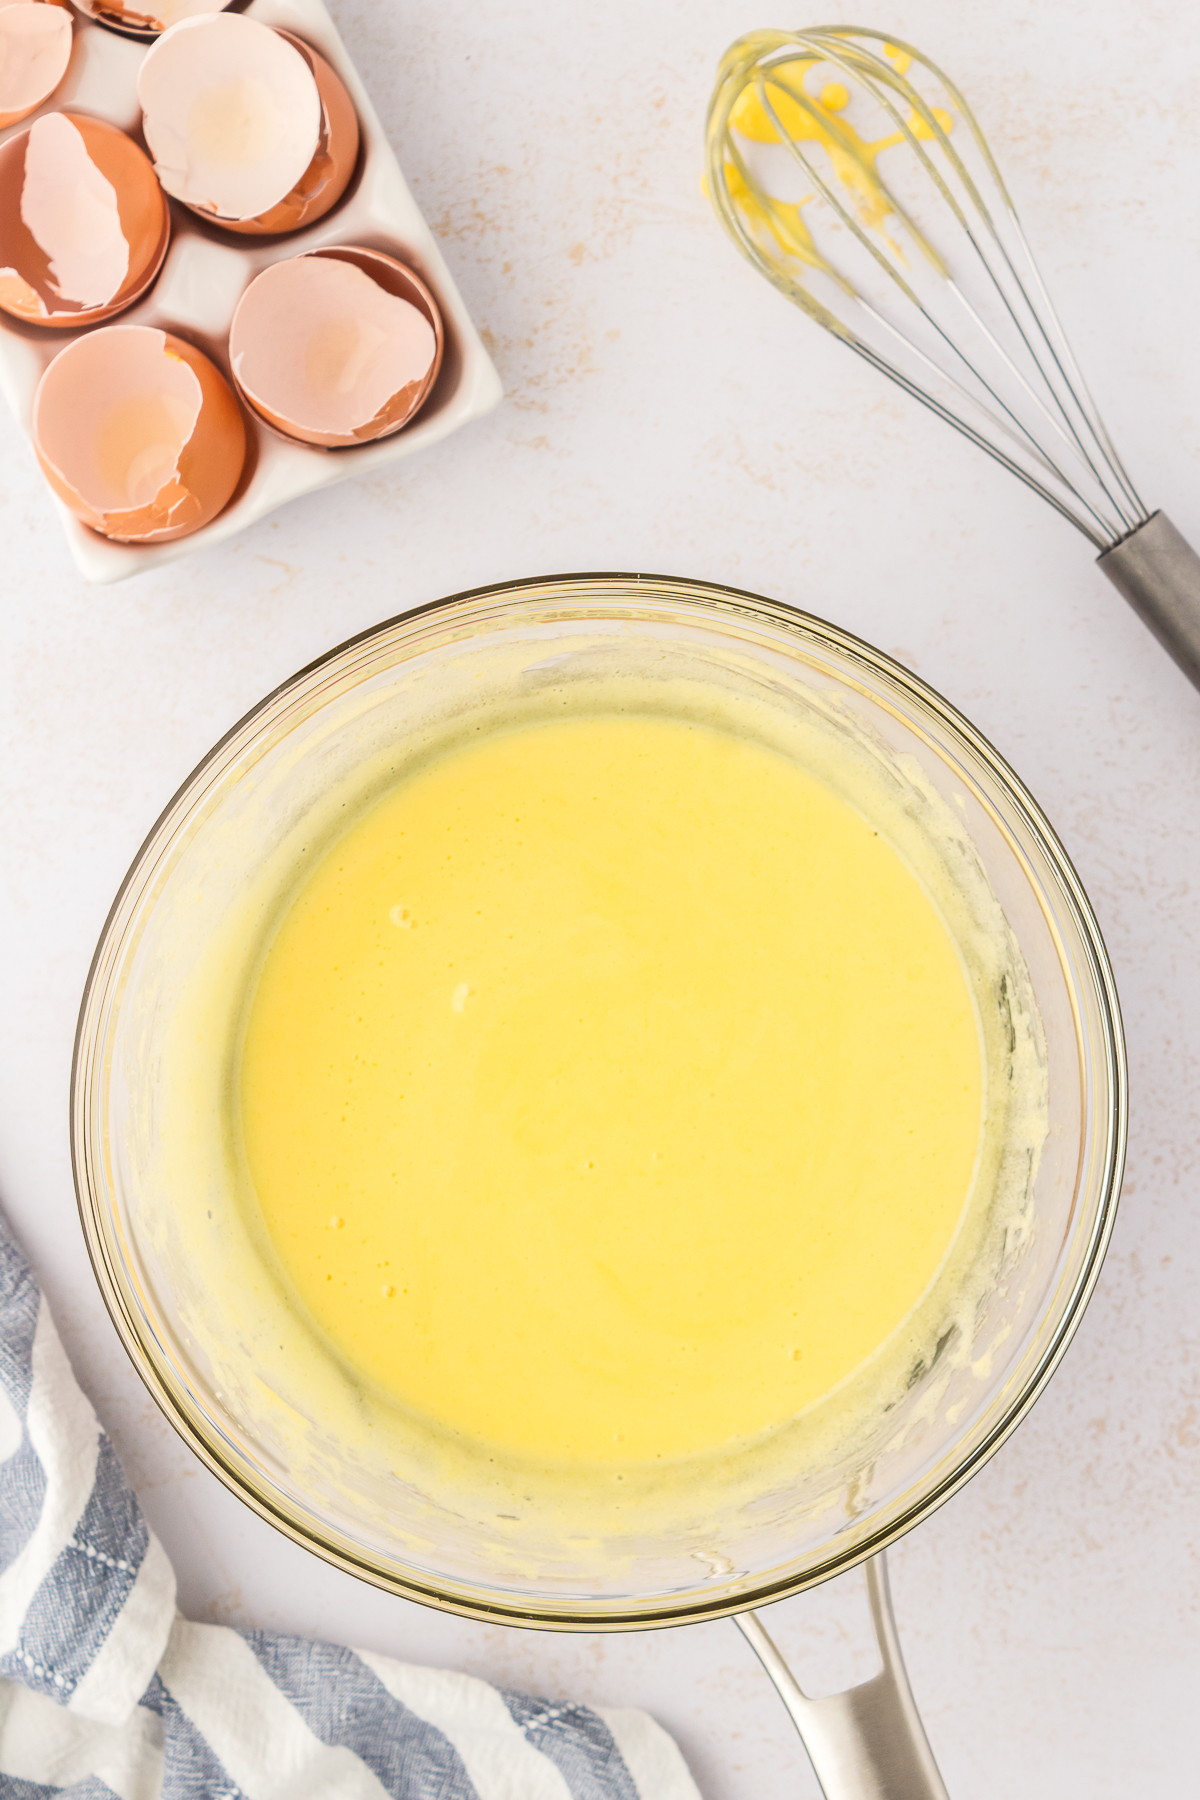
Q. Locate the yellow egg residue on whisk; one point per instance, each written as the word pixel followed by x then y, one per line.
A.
pixel 782 109
pixel 781 220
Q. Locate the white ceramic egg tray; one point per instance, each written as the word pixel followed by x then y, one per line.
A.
pixel 206 272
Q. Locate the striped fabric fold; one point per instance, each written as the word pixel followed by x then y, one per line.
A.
pixel 105 1691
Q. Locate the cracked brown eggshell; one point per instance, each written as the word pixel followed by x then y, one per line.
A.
pixel 149 19
pixel 225 78
pixel 339 346
pixel 35 48
pixel 84 225
pixel 138 433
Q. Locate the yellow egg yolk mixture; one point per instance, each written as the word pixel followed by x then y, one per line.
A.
pixel 610 1090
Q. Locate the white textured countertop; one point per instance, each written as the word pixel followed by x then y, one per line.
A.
pixel 667 411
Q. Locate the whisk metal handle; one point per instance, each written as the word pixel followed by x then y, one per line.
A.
pixel 1158 572
pixel 867 1743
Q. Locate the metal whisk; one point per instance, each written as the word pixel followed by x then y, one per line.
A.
pixel 853 174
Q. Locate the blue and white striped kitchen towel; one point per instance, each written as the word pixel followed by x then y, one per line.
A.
pixel 105 1690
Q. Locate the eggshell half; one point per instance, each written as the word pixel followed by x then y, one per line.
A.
pixel 35 48
pixel 247 125
pixel 328 174
pixel 138 433
pixel 148 19
pixel 336 347
pixel 84 225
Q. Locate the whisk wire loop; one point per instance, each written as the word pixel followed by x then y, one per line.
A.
pixel 1013 429
pixel 935 130
pixel 848 220
pixel 974 318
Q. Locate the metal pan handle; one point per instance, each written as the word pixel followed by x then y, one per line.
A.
pixel 867 1743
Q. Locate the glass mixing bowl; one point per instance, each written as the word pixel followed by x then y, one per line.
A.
pixel 236 828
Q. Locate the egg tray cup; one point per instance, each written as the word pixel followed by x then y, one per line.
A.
pixel 206 272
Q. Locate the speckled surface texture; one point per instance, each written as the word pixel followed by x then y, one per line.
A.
pixel 666 410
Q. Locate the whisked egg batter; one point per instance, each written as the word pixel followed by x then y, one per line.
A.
pixel 611 1090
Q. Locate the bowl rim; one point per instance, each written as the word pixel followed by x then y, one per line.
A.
pixel 452 1597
